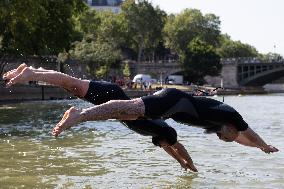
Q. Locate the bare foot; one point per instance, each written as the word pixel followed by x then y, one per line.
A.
pixel 22 74
pixel 70 118
pixel 13 73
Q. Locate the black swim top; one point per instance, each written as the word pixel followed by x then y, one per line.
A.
pixel 202 112
pixel 101 92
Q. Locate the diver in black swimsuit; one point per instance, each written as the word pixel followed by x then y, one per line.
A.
pixel 201 112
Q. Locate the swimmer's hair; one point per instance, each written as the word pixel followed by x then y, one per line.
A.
pixel 229 128
pixel 212 130
pixel 224 128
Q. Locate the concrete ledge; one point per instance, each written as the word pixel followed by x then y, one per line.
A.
pixel 46 92
pixel 36 92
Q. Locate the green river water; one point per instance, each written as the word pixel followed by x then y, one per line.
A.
pixel 106 154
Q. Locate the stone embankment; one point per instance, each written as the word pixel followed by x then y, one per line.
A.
pixel 45 92
pixel 32 92
pixel 48 92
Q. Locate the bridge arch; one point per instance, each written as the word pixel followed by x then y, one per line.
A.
pixel 237 72
pixel 263 78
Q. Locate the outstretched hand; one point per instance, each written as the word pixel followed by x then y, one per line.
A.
pixel 269 149
pixel 70 118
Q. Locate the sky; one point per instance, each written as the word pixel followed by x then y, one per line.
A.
pixel 259 23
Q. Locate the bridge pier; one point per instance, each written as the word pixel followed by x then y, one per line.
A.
pixel 229 76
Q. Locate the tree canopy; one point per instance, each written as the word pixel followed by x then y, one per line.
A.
pixel 40 27
pixel 144 25
pixel 200 59
pixel 232 49
pixel 182 28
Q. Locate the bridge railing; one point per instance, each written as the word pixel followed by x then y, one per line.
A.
pixel 250 60
pixel 164 61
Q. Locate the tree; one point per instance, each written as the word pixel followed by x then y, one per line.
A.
pixel 182 28
pixel 199 60
pixel 144 24
pixel 112 28
pixel 230 48
pixel 88 22
pixel 38 27
pixel 126 70
pixel 99 49
pixel 98 56
pixel 271 57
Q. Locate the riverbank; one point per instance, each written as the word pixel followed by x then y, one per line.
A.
pixel 20 93
pixel 31 92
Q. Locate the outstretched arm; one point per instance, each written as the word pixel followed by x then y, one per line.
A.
pixel 113 109
pixel 250 138
pixel 178 152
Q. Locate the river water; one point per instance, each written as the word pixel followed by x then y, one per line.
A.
pixel 106 154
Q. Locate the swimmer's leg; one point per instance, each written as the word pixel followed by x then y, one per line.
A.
pixel 23 73
pixel 13 73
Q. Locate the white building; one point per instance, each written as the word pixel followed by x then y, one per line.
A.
pixel 103 5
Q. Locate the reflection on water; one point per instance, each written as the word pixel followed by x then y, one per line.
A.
pixel 105 154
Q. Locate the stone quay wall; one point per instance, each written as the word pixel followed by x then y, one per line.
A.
pixel 45 92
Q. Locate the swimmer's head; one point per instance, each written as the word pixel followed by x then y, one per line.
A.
pixel 227 133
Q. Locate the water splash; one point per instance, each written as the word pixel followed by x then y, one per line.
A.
pixel 69 67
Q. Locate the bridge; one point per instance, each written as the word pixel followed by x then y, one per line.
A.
pixel 238 72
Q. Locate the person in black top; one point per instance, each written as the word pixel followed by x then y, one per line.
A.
pixel 97 93
pixel 182 107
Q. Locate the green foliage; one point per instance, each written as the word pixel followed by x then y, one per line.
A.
pixel 126 70
pixel 230 49
pixel 112 28
pixel 144 25
pixel 1 46
pixel 99 49
pixel 88 22
pixel 199 60
pixel 194 37
pixel 182 28
pixel 38 27
pixel 270 57
pixel 99 56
